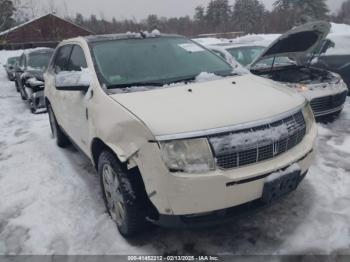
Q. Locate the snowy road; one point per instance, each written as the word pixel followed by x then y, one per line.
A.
pixel 51 203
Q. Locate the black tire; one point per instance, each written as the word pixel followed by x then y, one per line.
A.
pixel 134 205
pixel 61 139
pixel 22 93
pixel 17 87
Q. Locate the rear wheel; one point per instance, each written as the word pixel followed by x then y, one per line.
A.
pixel 23 93
pixel 57 133
pixel 17 87
pixel 124 204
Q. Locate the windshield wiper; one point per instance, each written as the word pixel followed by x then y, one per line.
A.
pixel 136 84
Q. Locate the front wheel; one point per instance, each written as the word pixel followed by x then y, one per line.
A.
pixel 123 203
pixel 57 133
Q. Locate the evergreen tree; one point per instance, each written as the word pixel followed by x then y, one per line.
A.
pixel 344 13
pixel 218 15
pixel 79 19
pixel 306 10
pixel 199 14
pixel 248 16
pixel 7 10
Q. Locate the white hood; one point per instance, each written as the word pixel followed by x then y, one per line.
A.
pixel 214 104
pixel 298 43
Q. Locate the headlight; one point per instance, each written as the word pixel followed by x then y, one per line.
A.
pixel 190 156
pixel 308 116
pixel 302 88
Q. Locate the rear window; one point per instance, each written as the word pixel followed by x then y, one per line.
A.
pixel 39 60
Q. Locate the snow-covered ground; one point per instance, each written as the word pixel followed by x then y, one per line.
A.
pixel 51 202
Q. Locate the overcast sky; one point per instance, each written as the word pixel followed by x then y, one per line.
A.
pixel 121 9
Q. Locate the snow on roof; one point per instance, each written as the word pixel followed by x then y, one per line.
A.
pixel 38 18
pixel 4 55
pixel 207 41
pixel 255 39
pixel 340 28
pixel 340 36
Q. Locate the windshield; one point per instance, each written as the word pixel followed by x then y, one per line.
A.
pixel 12 60
pixel 246 55
pixel 39 60
pixel 159 61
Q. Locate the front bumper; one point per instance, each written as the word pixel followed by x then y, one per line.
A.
pixel 38 99
pixel 188 194
pixel 215 218
pixel 328 105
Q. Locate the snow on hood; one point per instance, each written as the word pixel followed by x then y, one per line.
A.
pixel 215 104
pixel 298 43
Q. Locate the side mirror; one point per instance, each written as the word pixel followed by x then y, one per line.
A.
pixel 73 81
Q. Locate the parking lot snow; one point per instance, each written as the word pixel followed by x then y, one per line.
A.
pixel 51 202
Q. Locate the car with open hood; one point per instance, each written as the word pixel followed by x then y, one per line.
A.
pixel 177 137
pixel 29 77
pixel 335 56
pixel 288 60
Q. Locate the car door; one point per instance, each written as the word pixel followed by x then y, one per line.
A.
pixel 58 101
pixel 76 103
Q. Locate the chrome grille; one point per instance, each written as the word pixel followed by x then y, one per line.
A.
pixel 235 156
pixel 327 103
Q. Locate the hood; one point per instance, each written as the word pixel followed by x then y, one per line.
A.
pixel 213 104
pixel 298 43
pixel 38 74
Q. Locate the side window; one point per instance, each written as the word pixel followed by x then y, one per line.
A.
pixel 61 59
pixel 77 59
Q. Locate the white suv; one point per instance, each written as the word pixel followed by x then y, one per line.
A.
pixel 170 149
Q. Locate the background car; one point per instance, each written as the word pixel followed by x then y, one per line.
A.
pixel 29 76
pixel 244 54
pixel 10 67
pixel 337 56
pixel 289 59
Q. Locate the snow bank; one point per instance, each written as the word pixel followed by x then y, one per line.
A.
pixel 4 55
pixel 255 39
pixel 340 36
pixel 342 146
pixel 340 28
